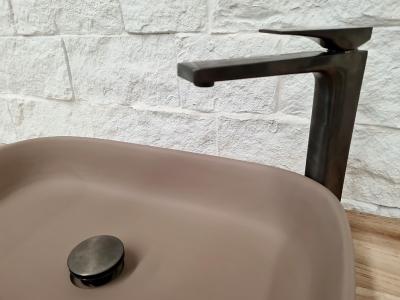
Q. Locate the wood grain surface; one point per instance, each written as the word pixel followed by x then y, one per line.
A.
pixel 377 255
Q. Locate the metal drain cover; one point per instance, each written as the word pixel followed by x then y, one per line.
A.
pixel 96 261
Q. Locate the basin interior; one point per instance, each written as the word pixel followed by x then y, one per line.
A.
pixel 194 226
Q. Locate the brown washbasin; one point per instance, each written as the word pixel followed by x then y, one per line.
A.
pixel 194 227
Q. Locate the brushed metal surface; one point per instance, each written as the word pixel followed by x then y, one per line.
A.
pixel 95 256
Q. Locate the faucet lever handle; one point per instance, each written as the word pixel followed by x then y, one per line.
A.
pixel 334 39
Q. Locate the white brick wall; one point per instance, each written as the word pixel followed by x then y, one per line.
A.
pixel 107 69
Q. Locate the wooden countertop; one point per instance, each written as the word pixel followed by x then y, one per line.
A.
pixel 377 254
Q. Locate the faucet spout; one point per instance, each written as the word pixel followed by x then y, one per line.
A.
pixel 205 73
pixel 338 76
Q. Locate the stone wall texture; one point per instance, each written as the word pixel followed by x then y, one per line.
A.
pixel 107 69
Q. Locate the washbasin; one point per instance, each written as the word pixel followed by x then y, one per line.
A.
pixel 193 226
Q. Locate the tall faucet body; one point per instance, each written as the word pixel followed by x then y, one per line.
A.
pixel 338 76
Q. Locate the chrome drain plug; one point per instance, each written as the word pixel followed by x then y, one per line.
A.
pixel 96 261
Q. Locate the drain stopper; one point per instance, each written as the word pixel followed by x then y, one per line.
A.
pixel 96 261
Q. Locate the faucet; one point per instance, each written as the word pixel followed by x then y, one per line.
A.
pixel 338 76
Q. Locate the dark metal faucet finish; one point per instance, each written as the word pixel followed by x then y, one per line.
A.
pixel 338 76
pixel 96 261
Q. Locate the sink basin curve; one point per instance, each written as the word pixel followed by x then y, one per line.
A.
pixel 194 226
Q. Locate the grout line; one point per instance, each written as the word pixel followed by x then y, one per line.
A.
pixel 68 68
pixel 12 16
pixel 133 33
pixel 372 208
pixel 125 33
pixel 277 94
pixel 278 87
pixel 161 32
pixel 90 35
pixel 24 97
pixel 378 126
pixel 177 77
pixel 12 119
pixel 122 16
pixel 168 109
pixel 279 116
